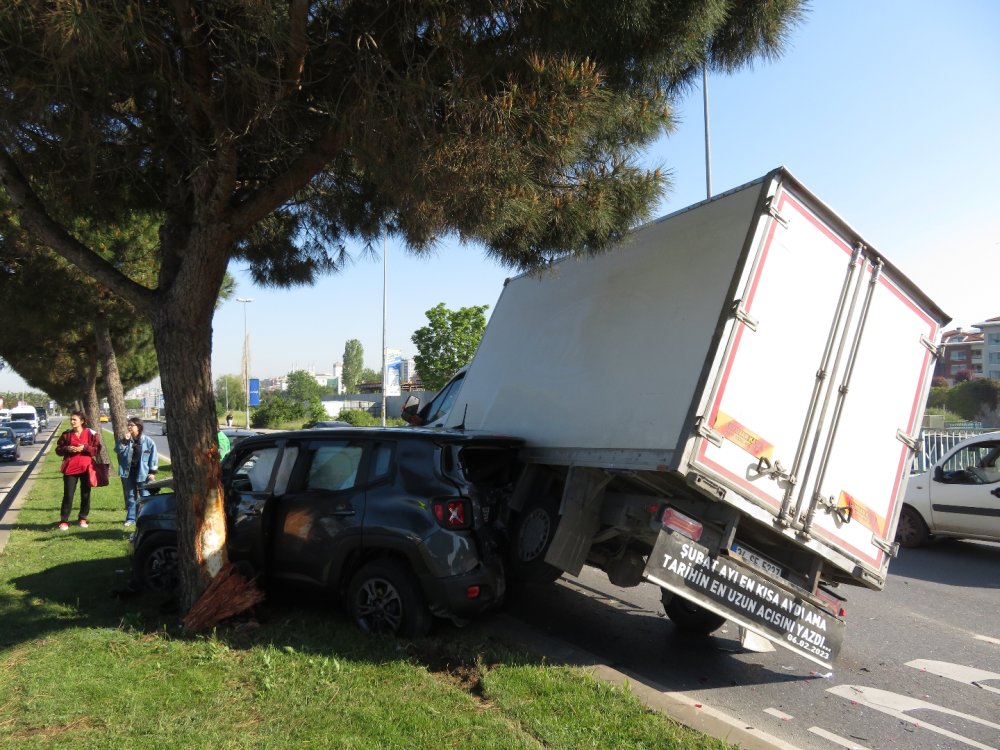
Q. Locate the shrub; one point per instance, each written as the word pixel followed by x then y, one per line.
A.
pixel 973 398
pixel 361 418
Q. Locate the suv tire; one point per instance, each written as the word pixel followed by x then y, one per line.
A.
pixel 156 565
pixel 384 597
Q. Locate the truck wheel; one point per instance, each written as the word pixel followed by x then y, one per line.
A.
pixel 384 597
pixel 155 563
pixel 911 531
pixel 530 536
pixel 688 617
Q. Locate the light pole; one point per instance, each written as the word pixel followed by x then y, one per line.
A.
pixel 385 263
pixel 246 356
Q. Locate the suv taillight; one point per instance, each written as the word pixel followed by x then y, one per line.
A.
pixel 453 513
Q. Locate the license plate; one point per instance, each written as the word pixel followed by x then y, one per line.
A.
pixel 759 561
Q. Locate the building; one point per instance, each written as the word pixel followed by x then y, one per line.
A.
pixel 990 348
pixel 961 356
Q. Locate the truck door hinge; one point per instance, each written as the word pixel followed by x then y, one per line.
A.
pixel 930 346
pixel 741 314
pixel 913 443
pixel 773 211
pixel 712 436
pixel 890 548
pixel 774 470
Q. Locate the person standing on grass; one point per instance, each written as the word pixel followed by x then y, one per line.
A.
pixel 137 463
pixel 78 445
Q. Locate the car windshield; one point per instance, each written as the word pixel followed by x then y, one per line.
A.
pixel 19 425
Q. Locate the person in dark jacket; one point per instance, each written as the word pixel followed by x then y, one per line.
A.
pixel 78 445
pixel 137 463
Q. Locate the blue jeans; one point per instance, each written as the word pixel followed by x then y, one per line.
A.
pixel 132 490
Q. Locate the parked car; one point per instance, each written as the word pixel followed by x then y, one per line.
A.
pixel 324 424
pixel 10 445
pixel 238 434
pixel 25 431
pixel 959 496
pixel 402 524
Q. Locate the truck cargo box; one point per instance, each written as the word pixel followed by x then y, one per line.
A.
pixel 753 348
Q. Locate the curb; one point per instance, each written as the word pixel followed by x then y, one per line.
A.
pixel 677 706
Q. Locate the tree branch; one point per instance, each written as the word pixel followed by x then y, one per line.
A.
pixel 48 231
pixel 284 186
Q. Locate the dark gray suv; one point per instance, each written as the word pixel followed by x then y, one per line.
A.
pixel 402 523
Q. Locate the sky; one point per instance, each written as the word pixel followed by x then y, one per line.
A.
pixel 887 110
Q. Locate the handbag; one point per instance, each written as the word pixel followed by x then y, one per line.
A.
pixel 100 468
pixel 99 474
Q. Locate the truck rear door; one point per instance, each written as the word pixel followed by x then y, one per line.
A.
pixel 820 383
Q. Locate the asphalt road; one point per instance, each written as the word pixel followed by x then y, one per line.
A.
pixel 920 667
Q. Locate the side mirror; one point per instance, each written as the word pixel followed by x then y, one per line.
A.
pixel 938 474
pixel 409 411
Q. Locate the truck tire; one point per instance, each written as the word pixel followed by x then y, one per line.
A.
pixel 688 617
pixel 155 564
pixel 384 597
pixel 911 531
pixel 531 534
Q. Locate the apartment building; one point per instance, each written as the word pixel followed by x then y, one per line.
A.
pixel 970 353
pixel 991 348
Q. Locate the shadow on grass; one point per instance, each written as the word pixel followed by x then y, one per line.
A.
pixel 96 594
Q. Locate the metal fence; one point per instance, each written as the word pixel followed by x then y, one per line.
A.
pixel 938 442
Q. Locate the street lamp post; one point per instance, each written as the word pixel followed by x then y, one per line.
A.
pixel 246 356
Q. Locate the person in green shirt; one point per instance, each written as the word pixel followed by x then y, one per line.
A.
pixel 223 444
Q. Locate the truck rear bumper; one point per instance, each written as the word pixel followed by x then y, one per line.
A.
pixel 739 592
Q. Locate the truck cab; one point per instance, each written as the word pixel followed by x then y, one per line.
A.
pixel 434 413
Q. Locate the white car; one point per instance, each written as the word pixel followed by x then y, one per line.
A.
pixel 959 496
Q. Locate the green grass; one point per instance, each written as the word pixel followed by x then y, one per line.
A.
pixel 80 668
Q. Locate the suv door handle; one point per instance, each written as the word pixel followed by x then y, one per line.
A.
pixel 996 492
pixel 343 511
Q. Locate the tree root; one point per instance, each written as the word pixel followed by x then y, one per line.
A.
pixel 228 594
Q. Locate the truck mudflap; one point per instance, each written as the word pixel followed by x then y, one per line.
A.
pixel 740 593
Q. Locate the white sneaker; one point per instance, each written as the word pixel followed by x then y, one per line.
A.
pixel 129 523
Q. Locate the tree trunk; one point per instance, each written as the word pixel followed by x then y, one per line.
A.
pixel 112 379
pixel 88 389
pixel 184 353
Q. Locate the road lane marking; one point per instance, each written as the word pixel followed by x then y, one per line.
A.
pixel 780 714
pixel 836 739
pixel 957 672
pixel 896 705
pixel 988 639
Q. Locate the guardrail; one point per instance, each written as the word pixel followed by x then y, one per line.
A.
pixel 935 443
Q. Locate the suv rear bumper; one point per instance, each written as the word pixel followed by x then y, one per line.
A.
pixel 449 597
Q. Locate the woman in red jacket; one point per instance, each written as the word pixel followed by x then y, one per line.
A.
pixel 78 446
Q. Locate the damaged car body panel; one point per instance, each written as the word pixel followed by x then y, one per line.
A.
pixel 392 520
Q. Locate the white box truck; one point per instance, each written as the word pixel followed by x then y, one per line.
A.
pixel 724 405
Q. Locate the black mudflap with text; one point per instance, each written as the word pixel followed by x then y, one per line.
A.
pixel 739 592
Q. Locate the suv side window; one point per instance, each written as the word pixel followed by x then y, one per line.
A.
pixel 334 466
pixel 381 461
pixel 252 471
